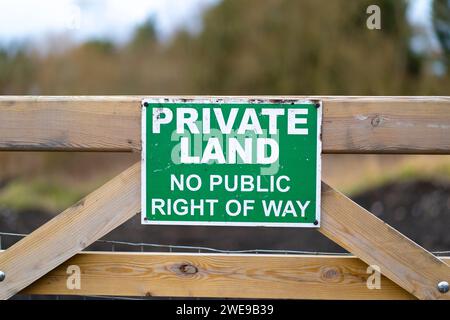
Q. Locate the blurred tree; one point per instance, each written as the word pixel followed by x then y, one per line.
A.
pixel 441 23
pixel 245 47
pixel 144 36
pixel 304 47
pixel 16 71
pixel 99 46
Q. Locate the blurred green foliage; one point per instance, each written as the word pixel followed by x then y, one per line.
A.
pixel 246 47
pixel 409 171
pixel 441 22
pixel 25 194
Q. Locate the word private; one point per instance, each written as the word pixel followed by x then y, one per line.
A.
pixel 186 123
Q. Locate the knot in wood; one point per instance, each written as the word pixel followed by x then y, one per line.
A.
pixel 376 121
pixel 187 268
pixel 331 274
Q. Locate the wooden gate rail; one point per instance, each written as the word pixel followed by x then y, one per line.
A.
pixel 350 125
pixel 219 276
pixel 419 125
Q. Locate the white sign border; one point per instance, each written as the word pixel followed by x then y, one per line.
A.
pixel 225 100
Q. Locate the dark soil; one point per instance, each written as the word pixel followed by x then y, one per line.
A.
pixel 419 209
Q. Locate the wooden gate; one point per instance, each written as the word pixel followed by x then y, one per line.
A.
pixel 390 125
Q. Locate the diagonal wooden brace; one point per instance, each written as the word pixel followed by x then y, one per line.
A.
pixel 376 243
pixel 70 232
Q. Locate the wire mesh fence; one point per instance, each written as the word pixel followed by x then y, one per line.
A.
pixel 144 246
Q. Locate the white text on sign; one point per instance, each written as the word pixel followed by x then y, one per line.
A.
pixel 189 122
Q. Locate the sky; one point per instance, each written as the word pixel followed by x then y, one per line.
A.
pixel 24 20
pixel 34 20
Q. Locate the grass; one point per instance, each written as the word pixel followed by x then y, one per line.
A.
pixel 46 195
pixel 419 169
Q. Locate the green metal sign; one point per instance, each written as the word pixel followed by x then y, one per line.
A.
pixel 231 162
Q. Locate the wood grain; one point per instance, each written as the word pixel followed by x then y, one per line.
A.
pixel 412 125
pixel 218 275
pixel 70 231
pixel 401 260
pixel 69 124
pixel 416 125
